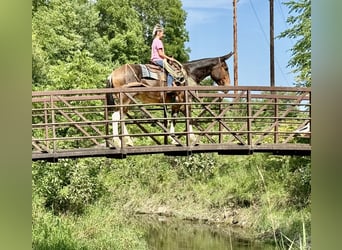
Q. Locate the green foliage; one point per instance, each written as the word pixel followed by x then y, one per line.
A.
pixel 286 196
pixel 79 71
pixel 75 44
pixel 295 175
pixel 39 61
pixel 65 27
pixel 38 3
pixel 67 186
pixel 49 231
pixel 106 228
pixel 98 228
pixel 174 22
pixel 172 16
pixel 300 29
pixel 67 50
pixel 146 174
pixel 199 186
pixel 201 167
pixel 299 181
pixel 121 25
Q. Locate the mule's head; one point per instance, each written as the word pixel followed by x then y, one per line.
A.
pixel 220 72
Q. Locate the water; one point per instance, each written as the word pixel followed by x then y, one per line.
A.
pixel 171 234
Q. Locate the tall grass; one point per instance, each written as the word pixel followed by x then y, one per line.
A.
pixel 98 228
pixel 280 239
pixel 301 243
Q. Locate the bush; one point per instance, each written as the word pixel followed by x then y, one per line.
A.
pixel 200 167
pixel 67 186
pixel 299 181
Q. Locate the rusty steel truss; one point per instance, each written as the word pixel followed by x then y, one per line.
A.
pixel 226 120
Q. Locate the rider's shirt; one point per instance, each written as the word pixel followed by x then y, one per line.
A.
pixel 157 44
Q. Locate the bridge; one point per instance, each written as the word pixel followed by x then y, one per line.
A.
pixel 226 120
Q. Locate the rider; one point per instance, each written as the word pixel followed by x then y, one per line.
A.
pixel 157 51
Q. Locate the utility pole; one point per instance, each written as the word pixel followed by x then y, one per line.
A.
pixel 235 44
pixel 271 43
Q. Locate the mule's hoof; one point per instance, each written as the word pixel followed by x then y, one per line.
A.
pixel 193 140
pixel 128 142
pixel 117 143
pixel 174 142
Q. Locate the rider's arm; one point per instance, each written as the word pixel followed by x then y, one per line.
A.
pixel 162 55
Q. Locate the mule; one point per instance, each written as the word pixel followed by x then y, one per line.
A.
pixel 139 75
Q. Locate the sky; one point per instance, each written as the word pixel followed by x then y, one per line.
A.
pixel 210 27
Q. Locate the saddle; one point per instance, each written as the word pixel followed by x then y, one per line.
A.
pixel 153 72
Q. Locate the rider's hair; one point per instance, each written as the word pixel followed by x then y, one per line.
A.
pixel 157 28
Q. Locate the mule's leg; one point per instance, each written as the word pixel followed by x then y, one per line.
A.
pixel 127 139
pixel 186 110
pixel 115 126
pixel 172 130
pixel 192 135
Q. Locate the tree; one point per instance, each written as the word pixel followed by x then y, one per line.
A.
pixel 67 50
pixel 300 29
pixel 171 15
pixel 175 29
pixel 36 4
pixel 76 43
pixel 120 24
pixel 129 25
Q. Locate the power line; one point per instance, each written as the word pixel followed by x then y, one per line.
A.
pixel 267 40
pixel 286 27
pixel 281 12
pixel 256 15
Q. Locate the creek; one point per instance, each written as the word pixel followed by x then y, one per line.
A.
pixel 165 233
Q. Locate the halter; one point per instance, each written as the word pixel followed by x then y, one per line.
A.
pixel 218 65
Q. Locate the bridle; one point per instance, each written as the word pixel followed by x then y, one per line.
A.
pixel 220 73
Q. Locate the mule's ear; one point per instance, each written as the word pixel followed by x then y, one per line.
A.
pixel 225 57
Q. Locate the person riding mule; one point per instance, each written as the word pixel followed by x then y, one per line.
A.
pixel 131 75
pixel 174 69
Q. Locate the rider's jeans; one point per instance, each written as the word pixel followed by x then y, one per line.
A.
pixel 169 76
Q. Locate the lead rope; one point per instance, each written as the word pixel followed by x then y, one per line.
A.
pixel 177 73
pixel 135 75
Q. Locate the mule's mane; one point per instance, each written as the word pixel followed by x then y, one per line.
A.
pixel 207 60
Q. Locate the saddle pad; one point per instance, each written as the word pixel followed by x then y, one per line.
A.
pixel 146 73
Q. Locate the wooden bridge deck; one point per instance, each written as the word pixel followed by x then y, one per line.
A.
pixel 243 120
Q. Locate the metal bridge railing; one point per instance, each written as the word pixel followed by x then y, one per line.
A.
pixel 67 122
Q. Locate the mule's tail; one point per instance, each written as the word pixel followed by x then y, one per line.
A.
pixel 109 96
